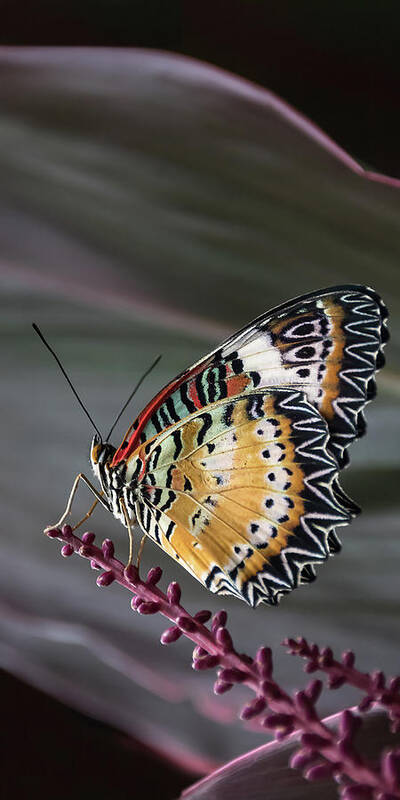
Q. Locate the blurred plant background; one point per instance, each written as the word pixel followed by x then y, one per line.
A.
pixel 150 203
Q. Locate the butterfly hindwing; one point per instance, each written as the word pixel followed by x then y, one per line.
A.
pixel 243 494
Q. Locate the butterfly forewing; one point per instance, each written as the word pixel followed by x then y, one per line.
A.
pixel 329 344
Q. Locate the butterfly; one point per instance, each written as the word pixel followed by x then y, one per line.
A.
pixel 232 468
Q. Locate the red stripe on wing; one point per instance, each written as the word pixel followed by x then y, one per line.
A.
pixel 124 452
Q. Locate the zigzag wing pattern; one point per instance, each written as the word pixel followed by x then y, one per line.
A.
pixel 243 494
pixel 328 344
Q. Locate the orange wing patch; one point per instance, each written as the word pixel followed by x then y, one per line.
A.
pixel 227 493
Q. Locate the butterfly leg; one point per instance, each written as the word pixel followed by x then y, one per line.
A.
pixel 129 527
pixel 140 551
pixel 75 484
pixel 87 515
pixel 130 533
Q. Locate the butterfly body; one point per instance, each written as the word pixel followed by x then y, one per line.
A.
pixel 233 467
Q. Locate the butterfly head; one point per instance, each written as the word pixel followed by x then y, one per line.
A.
pixel 101 456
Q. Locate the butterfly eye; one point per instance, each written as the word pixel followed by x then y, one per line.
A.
pixel 96 449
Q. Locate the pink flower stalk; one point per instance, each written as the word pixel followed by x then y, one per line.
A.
pixel 323 753
pixel 373 684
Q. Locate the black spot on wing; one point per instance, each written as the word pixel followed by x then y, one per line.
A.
pixel 227 417
pixel 187 402
pixel 200 390
pixel 170 530
pixel 212 387
pixel 196 516
pixel 256 378
pixel 222 385
pixel 168 503
pixel 207 422
pixel 237 366
pixel 136 473
pixel 164 419
pixel 155 456
pixel 171 410
pixel 170 474
pixel 176 435
pixel 156 423
pixel 254 527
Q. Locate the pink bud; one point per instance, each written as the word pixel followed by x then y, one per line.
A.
pixel 108 548
pixel 302 759
pixel 205 662
pixel 305 705
pixel 282 733
pixel 326 657
pixel 174 593
pixel 378 680
pixel 52 533
pixel 170 635
pixel 105 579
pixel 220 687
pixel 277 721
pixel 224 639
pixel 314 690
pixel 349 724
pixel 154 576
pixel 264 662
pixel 348 658
pixel 67 550
pixel 219 620
pixel 253 709
pixel 320 772
pixel 365 703
pixel 198 652
pixel 88 537
pixel 202 616
pixel 149 607
pixel 66 531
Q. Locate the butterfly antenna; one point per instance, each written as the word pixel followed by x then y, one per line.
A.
pixel 139 383
pixel 40 334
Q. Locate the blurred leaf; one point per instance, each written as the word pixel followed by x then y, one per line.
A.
pixel 151 203
pixel 264 773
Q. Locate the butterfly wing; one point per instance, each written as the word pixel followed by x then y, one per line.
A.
pixel 243 494
pixel 328 344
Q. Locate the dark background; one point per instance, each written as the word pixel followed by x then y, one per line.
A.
pixel 338 64
pixel 340 67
